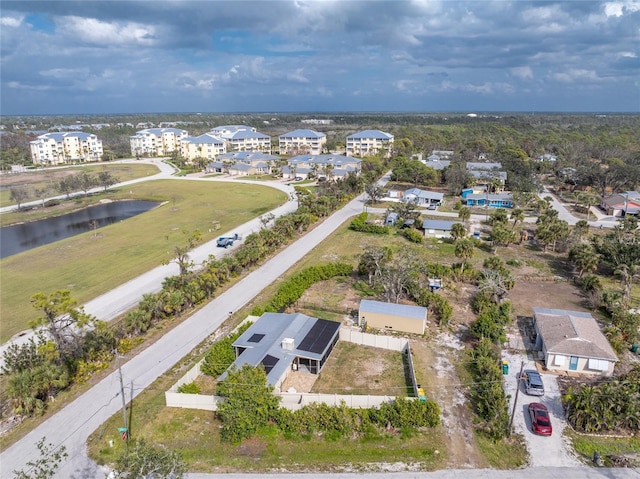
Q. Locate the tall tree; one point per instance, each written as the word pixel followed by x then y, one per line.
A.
pixel 19 194
pixel 458 230
pixel 464 250
pixel 63 320
pixel 464 213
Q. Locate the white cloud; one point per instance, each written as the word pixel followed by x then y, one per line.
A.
pixel 11 21
pixel 617 9
pixel 92 30
pixel 524 73
pixel 575 75
pixel 22 86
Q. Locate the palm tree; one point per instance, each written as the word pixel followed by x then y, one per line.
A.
pixel 517 215
pixel 464 213
pixel 585 258
pixel 458 230
pixel 464 250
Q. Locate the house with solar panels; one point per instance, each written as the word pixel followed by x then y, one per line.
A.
pixel 392 316
pixel 60 148
pixel 282 343
pixel 369 143
pixel 302 141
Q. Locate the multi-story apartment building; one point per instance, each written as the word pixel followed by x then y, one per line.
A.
pixel 58 148
pixel 300 142
pixel 157 141
pixel 243 138
pixel 369 143
pixel 203 146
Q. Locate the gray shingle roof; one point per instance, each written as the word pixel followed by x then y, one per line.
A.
pixel 572 333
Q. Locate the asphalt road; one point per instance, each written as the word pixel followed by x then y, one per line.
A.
pixel 74 423
pixel 124 297
pixel 529 473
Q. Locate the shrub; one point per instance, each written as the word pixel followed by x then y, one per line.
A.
pixel 360 224
pixel 413 235
pixel 189 388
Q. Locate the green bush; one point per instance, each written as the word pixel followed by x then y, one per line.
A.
pixel 222 354
pixel 413 235
pixel 189 388
pixel 360 224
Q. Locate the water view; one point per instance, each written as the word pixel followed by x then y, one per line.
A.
pixel 15 239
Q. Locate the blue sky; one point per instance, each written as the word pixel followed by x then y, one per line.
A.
pixel 72 57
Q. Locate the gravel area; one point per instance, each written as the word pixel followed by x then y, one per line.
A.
pixel 544 451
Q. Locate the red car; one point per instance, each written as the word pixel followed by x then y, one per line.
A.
pixel 540 420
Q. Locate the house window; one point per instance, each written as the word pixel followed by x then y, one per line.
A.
pixel 559 360
pixel 598 364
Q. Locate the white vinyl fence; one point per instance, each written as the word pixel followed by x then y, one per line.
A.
pixel 294 401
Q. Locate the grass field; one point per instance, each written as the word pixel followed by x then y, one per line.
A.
pixel 44 179
pixel 90 266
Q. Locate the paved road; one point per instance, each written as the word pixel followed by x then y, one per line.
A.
pixel 529 473
pixel 166 170
pixel 72 425
pixel 124 297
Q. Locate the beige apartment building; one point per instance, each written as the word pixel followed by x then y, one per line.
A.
pixel 157 141
pixel 300 142
pixel 370 143
pixel 61 148
pixel 243 138
pixel 204 146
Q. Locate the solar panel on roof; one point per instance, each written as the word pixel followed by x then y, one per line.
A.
pixel 269 362
pixel 318 338
pixel 256 338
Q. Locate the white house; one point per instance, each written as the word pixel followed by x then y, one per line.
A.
pixel 572 341
pixel 369 143
pixel 59 148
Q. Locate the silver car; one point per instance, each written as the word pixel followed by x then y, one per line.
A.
pixel 533 382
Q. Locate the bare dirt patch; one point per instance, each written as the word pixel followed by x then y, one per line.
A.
pixel 545 294
pixel 434 365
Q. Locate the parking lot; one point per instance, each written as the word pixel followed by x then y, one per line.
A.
pixel 553 450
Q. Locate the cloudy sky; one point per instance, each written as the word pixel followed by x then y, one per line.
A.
pixel 65 57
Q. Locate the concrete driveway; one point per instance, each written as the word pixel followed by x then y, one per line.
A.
pixel 544 451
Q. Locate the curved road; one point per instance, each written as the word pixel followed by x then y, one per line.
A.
pixel 72 425
pixel 124 297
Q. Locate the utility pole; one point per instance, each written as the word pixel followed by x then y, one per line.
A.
pixel 515 399
pixel 125 431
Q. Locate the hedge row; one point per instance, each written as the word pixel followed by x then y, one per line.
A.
pixel 360 224
pixel 293 288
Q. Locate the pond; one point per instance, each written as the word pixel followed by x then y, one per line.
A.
pixel 15 239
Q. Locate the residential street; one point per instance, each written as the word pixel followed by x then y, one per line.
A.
pixel 73 424
pixel 530 473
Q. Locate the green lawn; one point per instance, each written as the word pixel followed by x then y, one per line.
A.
pixel 90 266
pixel 41 179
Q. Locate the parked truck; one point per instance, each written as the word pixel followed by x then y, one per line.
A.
pixel 226 241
